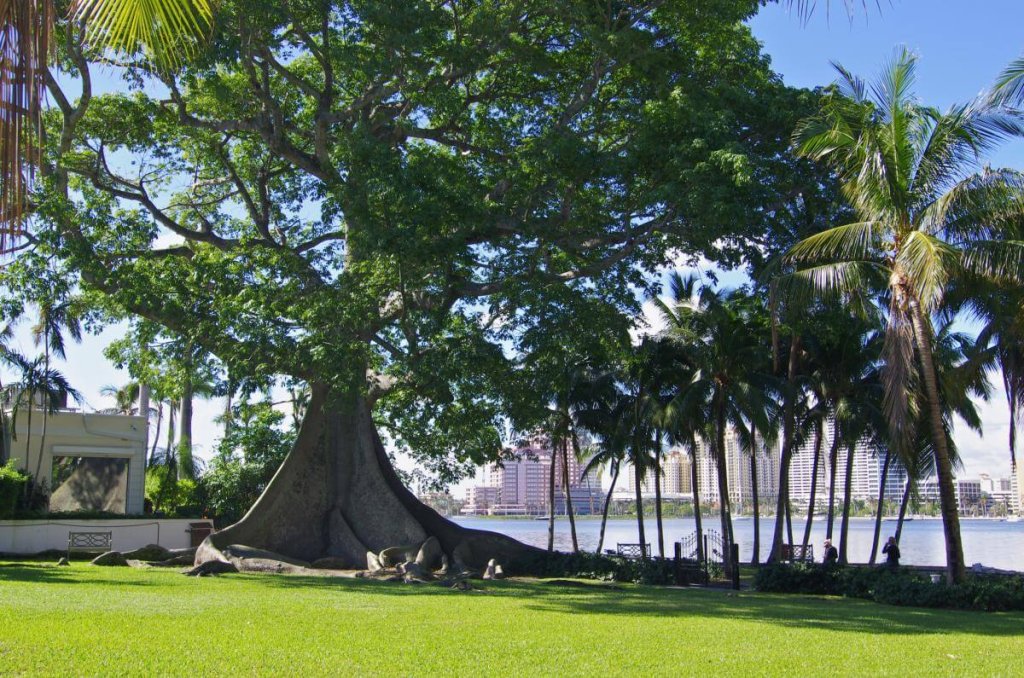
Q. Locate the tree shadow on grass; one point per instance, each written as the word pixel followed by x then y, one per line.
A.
pixel 45 573
pixel 811 612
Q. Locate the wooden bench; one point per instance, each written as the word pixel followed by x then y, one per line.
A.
pixel 633 550
pixel 90 542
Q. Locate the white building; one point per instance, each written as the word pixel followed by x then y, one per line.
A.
pixel 87 461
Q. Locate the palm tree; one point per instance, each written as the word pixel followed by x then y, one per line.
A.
pixel 167 31
pixel 38 381
pixel 55 318
pixel 715 330
pixel 124 397
pixel 923 221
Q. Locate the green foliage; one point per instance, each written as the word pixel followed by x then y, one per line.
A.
pixel 12 486
pixel 246 460
pixel 900 587
pixel 169 495
pixel 585 565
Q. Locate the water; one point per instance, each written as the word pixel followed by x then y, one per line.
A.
pixel 989 542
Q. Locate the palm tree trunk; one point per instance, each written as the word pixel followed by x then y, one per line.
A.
pixel 786 453
pixel 45 411
pixel 943 463
pixel 819 432
pixel 903 507
pixel 695 488
pixel 847 489
pixel 723 491
pixel 186 467
pixel 28 442
pixel 568 495
pixel 638 477
pixel 753 492
pixel 607 503
pixel 657 496
pixel 833 460
pixel 156 433
pixel 551 495
pixel 881 501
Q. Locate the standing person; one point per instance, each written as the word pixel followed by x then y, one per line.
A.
pixel 892 553
pixel 831 554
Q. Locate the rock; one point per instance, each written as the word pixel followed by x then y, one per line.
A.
pixel 63 562
pixel 111 559
pixel 211 567
pixel 373 562
pixel 430 554
pixel 148 552
pixel 491 566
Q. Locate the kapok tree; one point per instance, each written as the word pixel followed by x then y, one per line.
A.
pixel 381 198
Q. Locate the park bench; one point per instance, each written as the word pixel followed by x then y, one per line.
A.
pixel 92 542
pixel 633 550
pixel 797 553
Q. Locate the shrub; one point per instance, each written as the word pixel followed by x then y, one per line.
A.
pixel 594 566
pixel 12 485
pixel 899 587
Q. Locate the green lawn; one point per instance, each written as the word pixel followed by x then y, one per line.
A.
pixel 90 620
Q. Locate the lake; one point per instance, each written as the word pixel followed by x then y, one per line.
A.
pixel 989 542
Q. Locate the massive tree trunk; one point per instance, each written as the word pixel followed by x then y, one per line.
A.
pixel 818 435
pixel 336 495
pixel 943 463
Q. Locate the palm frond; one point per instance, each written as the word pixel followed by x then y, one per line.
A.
pixel 1010 84
pixel 852 241
pixel 1000 260
pixel 168 30
pixel 928 263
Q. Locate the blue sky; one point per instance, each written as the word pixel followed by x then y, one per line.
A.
pixel 962 46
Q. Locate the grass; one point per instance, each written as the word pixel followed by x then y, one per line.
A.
pixel 86 620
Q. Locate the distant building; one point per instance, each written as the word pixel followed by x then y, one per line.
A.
pixel 968 492
pixel 868 463
pixel 480 498
pixel 521 484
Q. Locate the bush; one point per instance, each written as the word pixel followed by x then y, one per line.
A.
pixel 899 587
pixel 12 485
pixel 652 571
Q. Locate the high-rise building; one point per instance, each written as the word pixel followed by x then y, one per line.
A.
pixel 868 464
pixel 522 482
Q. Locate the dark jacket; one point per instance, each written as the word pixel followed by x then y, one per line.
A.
pixel 892 552
pixel 831 555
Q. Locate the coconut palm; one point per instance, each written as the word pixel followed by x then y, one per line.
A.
pixel 924 220
pixel 166 31
pixel 715 330
pixel 37 382
pixel 124 397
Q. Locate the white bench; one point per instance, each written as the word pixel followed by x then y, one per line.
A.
pixel 92 542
